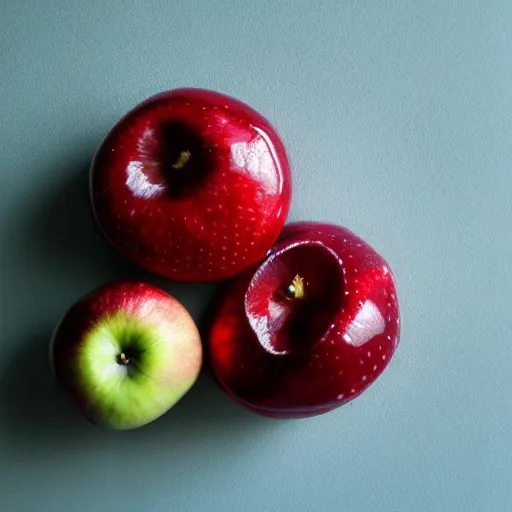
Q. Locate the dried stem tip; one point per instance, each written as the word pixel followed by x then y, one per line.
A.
pixel 182 160
pixel 297 288
pixel 122 359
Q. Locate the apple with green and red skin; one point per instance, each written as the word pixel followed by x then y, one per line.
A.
pixel 126 353
pixel 192 184
pixel 309 328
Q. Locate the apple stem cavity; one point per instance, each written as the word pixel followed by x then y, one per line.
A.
pixel 122 359
pixel 296 289
pixel 182 160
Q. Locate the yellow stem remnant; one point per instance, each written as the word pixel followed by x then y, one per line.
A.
pixel 297 288
pixel 182 160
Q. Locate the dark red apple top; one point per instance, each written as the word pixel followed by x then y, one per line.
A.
pixel 310 328
pixel 192 184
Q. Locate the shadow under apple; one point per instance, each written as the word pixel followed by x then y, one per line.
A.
pixel 59 254
pixel 39 417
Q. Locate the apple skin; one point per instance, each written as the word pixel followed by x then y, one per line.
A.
pixel 285 357
pixel 159 341
pixel 192 185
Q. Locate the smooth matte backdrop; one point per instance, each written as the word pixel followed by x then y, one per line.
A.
pixel 398 121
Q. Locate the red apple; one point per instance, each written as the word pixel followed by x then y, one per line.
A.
pixel 192 185
pixel 126 353
pixel 308 329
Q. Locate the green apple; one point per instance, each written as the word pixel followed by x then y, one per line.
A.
pixel 126 353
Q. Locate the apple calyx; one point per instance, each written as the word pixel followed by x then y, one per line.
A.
pixel 297 288
pixel 123 359
pixel 182 160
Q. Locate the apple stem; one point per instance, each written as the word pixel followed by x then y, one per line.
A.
pixel 297 288
pixel 182 160
pixel 123 359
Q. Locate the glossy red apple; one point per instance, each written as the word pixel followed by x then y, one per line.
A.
pixel 126 353
pixel 308 329
pixel 191 184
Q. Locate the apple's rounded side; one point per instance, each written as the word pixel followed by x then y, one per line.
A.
pixel 155 332
pixel 345 352
pixel 223 224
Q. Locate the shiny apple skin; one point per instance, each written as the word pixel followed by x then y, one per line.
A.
pixel 290 358
pixel 146 324
pixel 208 220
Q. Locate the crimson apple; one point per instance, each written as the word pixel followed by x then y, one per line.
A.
pixel 191 184
pixel 309 328
pixel 126 353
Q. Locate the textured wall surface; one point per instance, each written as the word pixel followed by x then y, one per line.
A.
pixel 398 122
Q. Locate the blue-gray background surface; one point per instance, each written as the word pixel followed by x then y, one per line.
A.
pixel 398 121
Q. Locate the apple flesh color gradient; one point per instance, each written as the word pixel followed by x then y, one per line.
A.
pixel 126 354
